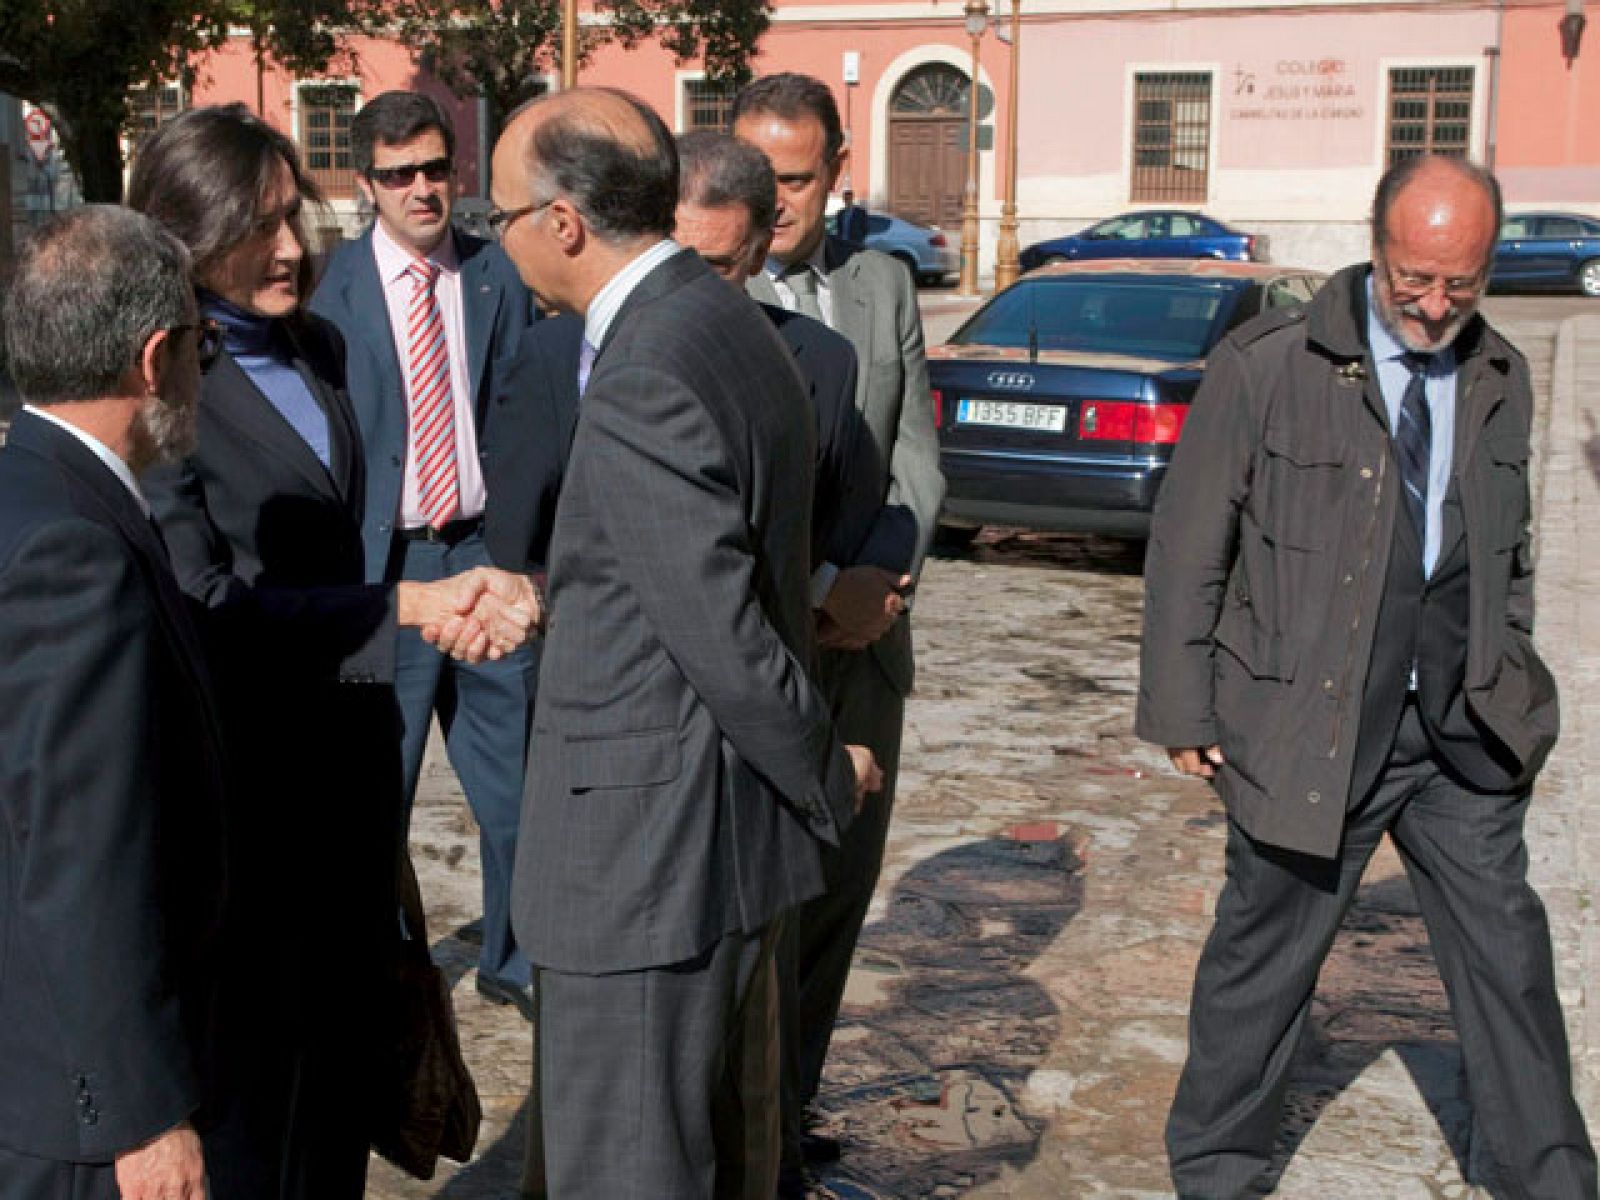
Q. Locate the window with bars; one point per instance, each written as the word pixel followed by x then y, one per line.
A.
pixel 706 105
pixel 1171 136
pixel 1430 111
pixel 151 107
pixel 325 112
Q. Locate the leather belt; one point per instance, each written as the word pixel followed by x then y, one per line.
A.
pixel 447 534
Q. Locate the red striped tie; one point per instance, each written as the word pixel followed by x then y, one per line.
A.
pixel 433 421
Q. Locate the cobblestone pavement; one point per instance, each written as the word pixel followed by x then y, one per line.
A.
pixel 1015 1023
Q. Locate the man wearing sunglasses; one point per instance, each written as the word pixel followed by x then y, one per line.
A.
pixel 427 313
pixel 1338 635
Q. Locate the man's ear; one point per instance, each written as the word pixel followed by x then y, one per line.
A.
pixel 155 360
pixel 837 168
pixel 366 191
pixel 759 249
pixel 566 224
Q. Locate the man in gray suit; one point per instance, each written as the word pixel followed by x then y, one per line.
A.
pixel 1338 620
pixel 863 619
pixel 685 773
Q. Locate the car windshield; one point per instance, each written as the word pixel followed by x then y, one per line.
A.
pixel 1177 319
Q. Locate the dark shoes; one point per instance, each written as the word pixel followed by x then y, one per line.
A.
pixel 818 1149
pixel 792 1183
pixel 503 991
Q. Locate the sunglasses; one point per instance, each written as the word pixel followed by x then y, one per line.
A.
pixel 207 340
pixel 435 170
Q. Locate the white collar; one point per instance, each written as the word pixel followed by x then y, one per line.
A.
pixel 394 259
pixel 608 301
pixel 100 450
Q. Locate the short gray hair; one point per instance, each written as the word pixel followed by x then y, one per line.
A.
pixel 716 170
pixel 90 288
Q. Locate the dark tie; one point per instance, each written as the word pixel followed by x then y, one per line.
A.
pixel 1414 441
pixel 802 281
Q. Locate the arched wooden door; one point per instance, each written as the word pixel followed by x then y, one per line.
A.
pixel 928 145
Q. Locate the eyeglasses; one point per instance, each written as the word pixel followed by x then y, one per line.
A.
pixel 435 170
pixel 1409 286
pixel 499 219
pixel 207 340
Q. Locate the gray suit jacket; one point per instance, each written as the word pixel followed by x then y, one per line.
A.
pixel 875 307
pixel 684 770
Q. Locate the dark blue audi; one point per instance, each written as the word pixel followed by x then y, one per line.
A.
pixel 1060 400
pixel 1160 233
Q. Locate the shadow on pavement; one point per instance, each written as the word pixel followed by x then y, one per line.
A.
pixel 1004 546
pixel 942 1024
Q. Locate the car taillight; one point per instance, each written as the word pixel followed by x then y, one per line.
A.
pixel 938 406
pixel 1124 421
pixel 937 239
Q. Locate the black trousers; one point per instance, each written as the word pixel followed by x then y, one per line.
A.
pixel 1276 920
pixel 23 1177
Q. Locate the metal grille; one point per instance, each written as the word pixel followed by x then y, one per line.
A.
pixel 706 105
pixel 150 108
pixel 1430 111
pixel 325 112
pixel 1171 136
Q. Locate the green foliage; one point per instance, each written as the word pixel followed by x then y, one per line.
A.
pixel 80 59
pixel 500 48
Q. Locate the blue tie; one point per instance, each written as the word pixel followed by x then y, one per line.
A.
pixel 1414 441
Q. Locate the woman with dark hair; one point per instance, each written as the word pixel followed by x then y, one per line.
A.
pixel 263 522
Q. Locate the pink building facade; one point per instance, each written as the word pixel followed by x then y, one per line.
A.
pixel 1275 115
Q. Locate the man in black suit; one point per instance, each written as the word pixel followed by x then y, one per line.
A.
pixel 427 465
pixel 1338 634
pixel 111 837
pixel 684 771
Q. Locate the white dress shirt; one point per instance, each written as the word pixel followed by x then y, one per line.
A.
pixel 608 301
pixel 817 260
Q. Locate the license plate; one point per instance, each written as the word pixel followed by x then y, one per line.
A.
pixel 1012 414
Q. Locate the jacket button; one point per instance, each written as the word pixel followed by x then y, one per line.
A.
pixel 1366 472
pixel 394 460
pixel 91 1116
pixel 1313 797
pixel 1348 580
pixel 1327 685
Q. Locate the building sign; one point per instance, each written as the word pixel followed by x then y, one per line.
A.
pixel 1294 89
pixel 40 133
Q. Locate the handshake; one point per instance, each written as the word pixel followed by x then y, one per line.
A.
pixel 478 614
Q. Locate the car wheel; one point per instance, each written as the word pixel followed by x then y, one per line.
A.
pixel 1589 277
pixel 955 537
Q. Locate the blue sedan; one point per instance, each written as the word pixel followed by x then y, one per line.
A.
pixel 1157 234
pixel 1558 251
pixel 1059 402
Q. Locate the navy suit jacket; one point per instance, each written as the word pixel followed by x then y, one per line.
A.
pixel 497 308
pixel 528 435
pixel 112 843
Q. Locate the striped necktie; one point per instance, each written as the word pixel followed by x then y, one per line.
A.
pixel 433 419
pixel 1414 441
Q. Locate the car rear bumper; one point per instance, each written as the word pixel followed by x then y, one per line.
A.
pixel 1067 495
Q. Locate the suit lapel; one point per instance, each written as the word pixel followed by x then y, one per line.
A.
pixel 234 397
pixel 667 277
pixel 851 314
pixel 480 306
pixel 760 286
pixel 344 441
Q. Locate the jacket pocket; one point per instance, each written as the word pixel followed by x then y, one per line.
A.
pixel 1508 483
pixel 625 760
pixel 1262 653
pixel 1299 486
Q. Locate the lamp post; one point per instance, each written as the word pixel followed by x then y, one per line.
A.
pixel 977 13
pixel 1007 263
pixel 569 45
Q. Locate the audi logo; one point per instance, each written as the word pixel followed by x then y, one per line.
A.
pixel 1011 381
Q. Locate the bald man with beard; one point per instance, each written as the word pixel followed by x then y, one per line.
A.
pixel 684 771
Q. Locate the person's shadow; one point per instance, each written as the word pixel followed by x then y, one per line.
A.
pixel 942 1026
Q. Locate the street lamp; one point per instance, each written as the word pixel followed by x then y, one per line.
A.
pixel 1007 254
pixel 977 13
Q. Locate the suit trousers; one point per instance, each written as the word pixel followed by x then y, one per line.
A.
pixel 1276 920
pixel 662 1084
pixel 24 1177
pixel 484 712
pixel 819 939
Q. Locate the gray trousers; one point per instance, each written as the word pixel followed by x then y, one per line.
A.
pixel 662 1084
pixel 819 939
pixel 1276 920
